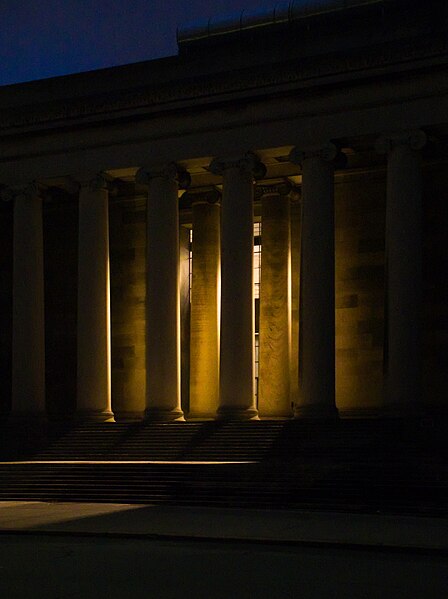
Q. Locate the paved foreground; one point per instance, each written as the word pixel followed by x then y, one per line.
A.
pixel 56 551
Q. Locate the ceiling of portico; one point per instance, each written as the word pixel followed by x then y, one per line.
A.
pixel 276 160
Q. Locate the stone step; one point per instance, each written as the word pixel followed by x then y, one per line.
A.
pixel 336 465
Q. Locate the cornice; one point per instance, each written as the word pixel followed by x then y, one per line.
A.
pixel 261 80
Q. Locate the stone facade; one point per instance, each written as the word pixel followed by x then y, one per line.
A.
pixel 94 186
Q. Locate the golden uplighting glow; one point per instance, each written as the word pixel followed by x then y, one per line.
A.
pixel 170 462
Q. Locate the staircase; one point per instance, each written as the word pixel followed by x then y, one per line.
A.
pixel 349 465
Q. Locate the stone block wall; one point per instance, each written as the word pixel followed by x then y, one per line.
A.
pixel 359 242
pixel 127 268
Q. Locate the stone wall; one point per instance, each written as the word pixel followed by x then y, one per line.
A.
pixel 359 240
pixel 127 268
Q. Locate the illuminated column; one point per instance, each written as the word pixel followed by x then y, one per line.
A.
pixel 295 295
pixel 205 300
pixel 403 355
pixel 237 400
pixel 275 302
pixel 162 294
pixel 317 313
pixel 94 368
pixel 185 309
pixel 28 340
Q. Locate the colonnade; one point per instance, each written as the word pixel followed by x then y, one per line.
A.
pixel 222 310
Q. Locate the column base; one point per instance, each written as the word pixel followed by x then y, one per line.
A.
pixel 316 412
pixel 164 415
pixel 91 416
pixel 129 416
pixel 236 413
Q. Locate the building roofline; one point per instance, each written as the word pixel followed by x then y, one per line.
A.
pixel 280 13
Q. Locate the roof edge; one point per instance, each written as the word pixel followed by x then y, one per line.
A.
pixel 281 12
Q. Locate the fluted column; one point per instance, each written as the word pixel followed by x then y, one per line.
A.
pixel 205 303
pixel 28 339
pixel 237 400
pixel 94 367
pixel 163 400
pixel 317 305
pixel 403 355
pixel 275 302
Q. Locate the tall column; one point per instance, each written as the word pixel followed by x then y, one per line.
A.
pixel 403 355
pixel 163 400
pixel 205 304
pixel 296 209
pixel 317 306
pixel 185 309
pixel 237 399
pixel 94 367
pixel 28 339
pixel 275 302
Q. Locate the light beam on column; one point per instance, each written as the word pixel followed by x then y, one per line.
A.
pixel 237 399
pixel 275 301
pixel 163 400
pixel 295 209
pixel 205 304
pixel 94 362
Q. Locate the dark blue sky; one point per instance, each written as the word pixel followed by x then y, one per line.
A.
pixel 45 38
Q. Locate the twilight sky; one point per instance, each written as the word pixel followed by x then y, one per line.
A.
pixel 45 38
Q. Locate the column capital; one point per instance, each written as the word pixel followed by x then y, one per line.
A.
pixel 416 140
pixel 204 195
pixel 31 189
pixel 327 152
pixel 170 171
pixel 296 195
pixel 281 188
pixel 249 162
pixel 93 182
pixel 6 194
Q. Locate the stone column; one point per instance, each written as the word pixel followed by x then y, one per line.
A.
pixel 237 399
pixel 184 294
pixel 403 355
pixel 296 210
pixel 205 304
pixel 28 339
pixel 317 306
pixel 275 302
pixel 163 400
pixel 94 367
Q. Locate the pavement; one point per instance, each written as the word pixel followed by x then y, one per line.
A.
pixel 264 526
pixel 117 551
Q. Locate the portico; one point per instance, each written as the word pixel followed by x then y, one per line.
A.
pixel 341 316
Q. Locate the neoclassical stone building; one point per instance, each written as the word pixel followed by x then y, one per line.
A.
pixel 134 197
